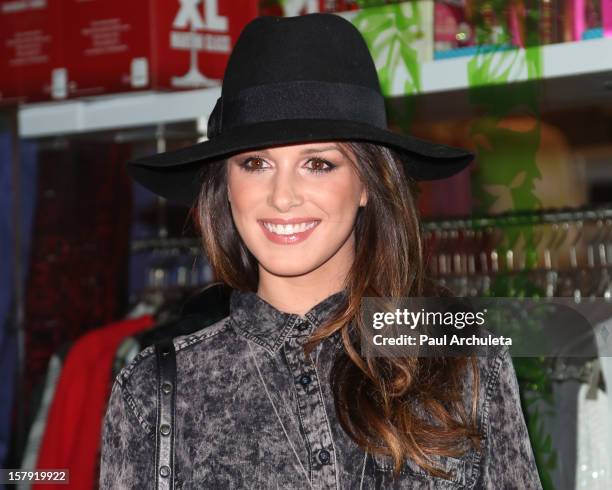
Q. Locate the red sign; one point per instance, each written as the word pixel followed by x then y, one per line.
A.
pixel 107 44
pixel 195 38
pixel 290 8
pixel 31 57
pixel 91 47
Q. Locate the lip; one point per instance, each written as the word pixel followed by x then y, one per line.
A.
pixel 288 239
pixel 291 221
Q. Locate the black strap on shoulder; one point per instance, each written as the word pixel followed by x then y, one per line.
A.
pixel 165 429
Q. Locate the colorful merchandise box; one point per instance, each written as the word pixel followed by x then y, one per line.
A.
pixel 58 49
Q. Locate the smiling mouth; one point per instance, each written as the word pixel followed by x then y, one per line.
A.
pixel 289 229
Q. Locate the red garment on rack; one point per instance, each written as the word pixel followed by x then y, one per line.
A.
pixel 73 432
pixel 79 257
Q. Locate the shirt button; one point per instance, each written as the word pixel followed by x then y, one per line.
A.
pixel 324 456
pixel 164 471
pixel 302 326
pixel 305 380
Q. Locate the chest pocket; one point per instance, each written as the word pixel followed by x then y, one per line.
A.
pixel 456 469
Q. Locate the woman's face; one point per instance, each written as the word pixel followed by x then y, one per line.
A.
pixel 295 206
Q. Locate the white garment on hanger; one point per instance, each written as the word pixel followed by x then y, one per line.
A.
pixel 593 458
pixel 37 430
pixel 594 426
pixel 142 308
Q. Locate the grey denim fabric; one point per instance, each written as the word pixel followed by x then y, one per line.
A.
pixel 228 435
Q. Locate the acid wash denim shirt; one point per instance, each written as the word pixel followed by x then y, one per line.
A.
pixel 228 434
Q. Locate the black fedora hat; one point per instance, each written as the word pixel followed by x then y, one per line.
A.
pixel 291 80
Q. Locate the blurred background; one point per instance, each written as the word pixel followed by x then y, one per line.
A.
pixel 92 264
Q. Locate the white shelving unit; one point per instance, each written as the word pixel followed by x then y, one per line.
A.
pixel 581 58
pixel 588 62
pixel 115 112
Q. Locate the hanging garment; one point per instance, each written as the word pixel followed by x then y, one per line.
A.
pixel 8 340
pixel 37 428
pixel 38 391
pixel 603 334
pixel 144 225
pixel 447 197
pixel 126 352
pixel 559 420
pixel 72 435
pixel 593 470
pixel 77 278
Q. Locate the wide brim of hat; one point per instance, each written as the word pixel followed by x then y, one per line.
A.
pixel 174 174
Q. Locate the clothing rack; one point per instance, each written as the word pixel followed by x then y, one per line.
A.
pixel 187 244
pixel 172 268
pixel 568 244
pixel 510 218
pixel 570 256
pixel 521 218
pixel 475 245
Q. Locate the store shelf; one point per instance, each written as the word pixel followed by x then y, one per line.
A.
pixel 588 65
pixel 115 112
pixel 581 58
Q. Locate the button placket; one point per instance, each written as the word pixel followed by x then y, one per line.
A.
pixel 312 413
pixel 300 329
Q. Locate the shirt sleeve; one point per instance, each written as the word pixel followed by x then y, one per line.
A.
pixel 508 460
pixel 127 449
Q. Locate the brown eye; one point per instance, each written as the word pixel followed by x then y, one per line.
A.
pixel 253 164
pixel 319 165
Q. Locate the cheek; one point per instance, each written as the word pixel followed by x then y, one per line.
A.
pixel 243 196
pixel 339 198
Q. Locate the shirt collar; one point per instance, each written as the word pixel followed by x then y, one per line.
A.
pixel 263 323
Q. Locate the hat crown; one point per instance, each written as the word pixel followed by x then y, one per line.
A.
pixel 320 46
pixel 314 66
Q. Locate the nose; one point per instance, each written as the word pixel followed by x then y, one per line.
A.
pixel 285 192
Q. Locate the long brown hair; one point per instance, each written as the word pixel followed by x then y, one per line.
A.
pixel 379 400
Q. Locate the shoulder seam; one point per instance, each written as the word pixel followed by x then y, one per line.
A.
pixel 133 407
pixel 126 372
pixel 205 334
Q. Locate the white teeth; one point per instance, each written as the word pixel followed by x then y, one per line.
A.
pixel 290 229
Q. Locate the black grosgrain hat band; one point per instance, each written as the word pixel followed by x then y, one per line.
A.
pixel 299 99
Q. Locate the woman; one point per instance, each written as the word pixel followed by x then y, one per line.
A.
pixel 302 201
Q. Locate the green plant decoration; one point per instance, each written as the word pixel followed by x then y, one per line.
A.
pixel 390 32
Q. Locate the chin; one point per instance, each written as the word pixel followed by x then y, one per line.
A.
pixel 290 267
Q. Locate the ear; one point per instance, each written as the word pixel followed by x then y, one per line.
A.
pixel 229 196
pixel 364 198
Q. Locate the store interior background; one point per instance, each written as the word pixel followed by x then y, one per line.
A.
pixel 82 245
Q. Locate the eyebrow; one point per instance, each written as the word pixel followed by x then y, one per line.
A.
pixel 307 150
pixel 318 150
